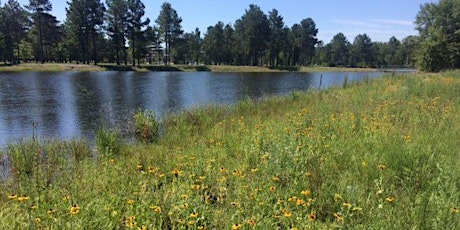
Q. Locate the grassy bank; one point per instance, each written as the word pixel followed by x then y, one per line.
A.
pixel 381 154
pixel 55 67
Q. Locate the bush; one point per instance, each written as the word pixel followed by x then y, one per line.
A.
pixel 147 127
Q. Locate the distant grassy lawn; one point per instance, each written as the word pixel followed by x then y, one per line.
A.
pixel 381 154
pixel 55 67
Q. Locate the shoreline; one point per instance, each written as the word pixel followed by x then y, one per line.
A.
pixel 57 67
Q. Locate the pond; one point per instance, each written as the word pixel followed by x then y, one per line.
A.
pixel 68 105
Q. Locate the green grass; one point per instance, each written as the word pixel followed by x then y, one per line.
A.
pixel 381 154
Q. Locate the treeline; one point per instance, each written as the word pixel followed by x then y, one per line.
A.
pixel 118 31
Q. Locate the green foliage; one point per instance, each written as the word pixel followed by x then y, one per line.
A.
pixel 170 28
pixel 147 127
pixel 108 142
pixel 439 28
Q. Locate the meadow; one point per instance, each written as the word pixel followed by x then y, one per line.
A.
pixel 379 154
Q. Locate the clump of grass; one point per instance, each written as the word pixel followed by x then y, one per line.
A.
pixel 108 141
pixel 147 127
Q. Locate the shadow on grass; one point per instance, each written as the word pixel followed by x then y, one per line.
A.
pixel 198 68
pixel 286 68
pixel 162 68
pixel 117 67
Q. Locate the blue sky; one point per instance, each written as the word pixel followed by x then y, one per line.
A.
pixel 380 19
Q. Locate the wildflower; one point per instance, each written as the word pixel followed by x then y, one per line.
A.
pixel 251 222
pixel 237 226
pixel 38 220
pixel 184 197
pixel 347 204
pixel 191 222
pixel 455 210
pixel 51 211
pixel 275 179
pixel 382 167
pixel 75 209
pixel 306 192
pixel 390 199
pixel 184 205
pixel 195 187
pixel 33 206
pixel 337 197
pixel 222 170
pixel 200 227
pixel 308 174
pixel 156 209
pixel 140 167
pixel 112 161
pixel 286 213
pixel 312 216
pixel 235 204
pixel 153 169
pixel 338 217
pixel 300 202
pixel 364 164
pixel 356 209
pixel 254 170
pixel 23 198
pixel 194 215
pixel 143 227
pixel 176 172
pixel 131 202
pixel 13 196
pixel 272 188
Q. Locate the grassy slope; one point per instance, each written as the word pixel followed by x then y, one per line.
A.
pixel 111 67
pixel 378 155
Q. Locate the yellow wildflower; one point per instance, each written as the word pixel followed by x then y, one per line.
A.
pixel 237 226
pixel 337 197
pixel 338 217
pixel 51 211
pixel 131 202
pixel 275 179
pixel 347 204
pixel 156 209
pixel 251 222
pixel 306 192
pixel 23 198
pixel 382 167
pixel 75 209
pixel 38 220
pixel 272 188
pixel 194 215
pixel 140 167
pixel 455 210
pixel 390 199
pixel 13 196
pixel 312 216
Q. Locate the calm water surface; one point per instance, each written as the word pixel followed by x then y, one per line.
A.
pixel 73 104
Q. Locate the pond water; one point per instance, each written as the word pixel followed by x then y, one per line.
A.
pixel 68 105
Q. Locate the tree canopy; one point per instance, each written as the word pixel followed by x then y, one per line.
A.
pixel 439 28
pixel 120 32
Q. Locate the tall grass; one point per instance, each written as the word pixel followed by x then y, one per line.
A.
pixel 381 154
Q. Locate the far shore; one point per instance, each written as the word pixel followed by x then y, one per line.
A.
pixel 58 67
